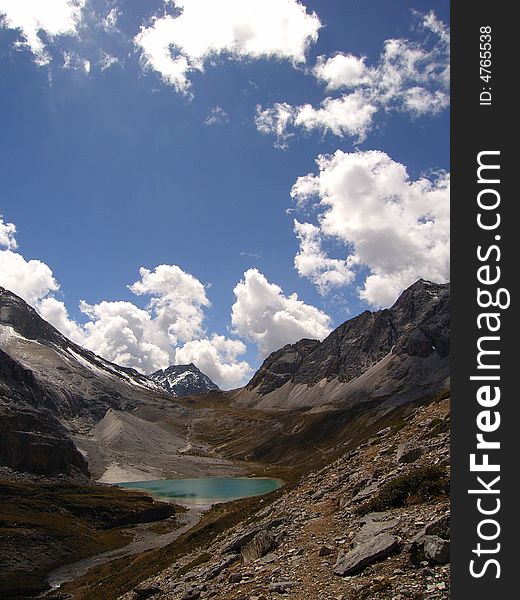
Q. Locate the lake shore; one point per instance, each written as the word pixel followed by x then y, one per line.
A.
pixel 203 492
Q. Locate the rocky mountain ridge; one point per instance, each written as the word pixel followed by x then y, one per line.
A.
pixel 77 382
pixel 400 352
pixel 183 380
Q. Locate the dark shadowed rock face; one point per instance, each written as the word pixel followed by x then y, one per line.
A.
pixel 37 442
pixel 280 366
pixel 31 438
pixel 417 325
pixel 183 380
pixel 18 382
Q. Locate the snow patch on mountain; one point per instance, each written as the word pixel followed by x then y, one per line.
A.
pixel 183 380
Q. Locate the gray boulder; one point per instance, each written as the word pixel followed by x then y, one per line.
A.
pixel 259 546
pixel 436 550
pixel 356 560
pixel 282 587
pixel 430 548
pixel 371 529
pixel 408 454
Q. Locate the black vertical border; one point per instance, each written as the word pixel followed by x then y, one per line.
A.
pixel 475 128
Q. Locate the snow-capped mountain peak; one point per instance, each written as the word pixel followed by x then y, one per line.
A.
pixel 183 380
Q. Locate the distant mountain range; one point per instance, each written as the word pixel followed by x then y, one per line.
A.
pixel 183 380
pixel 345 418
pixel 64 409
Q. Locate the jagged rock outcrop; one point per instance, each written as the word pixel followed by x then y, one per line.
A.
pixel 401 352
pixel 282 365
pixel 184 380
pixel 416 325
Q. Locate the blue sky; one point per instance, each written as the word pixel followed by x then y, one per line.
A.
pixel 108 163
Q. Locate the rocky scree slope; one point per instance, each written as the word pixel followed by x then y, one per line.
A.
pixel 373 525
pixel 400 353
pixel 183 380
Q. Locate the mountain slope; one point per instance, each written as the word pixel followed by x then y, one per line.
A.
pixel 31 437
pixel 401 352
pixel 183 380
pixel 371 524
pixel 74 404
pixel 77 382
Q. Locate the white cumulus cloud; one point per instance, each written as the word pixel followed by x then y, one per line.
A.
pixel 263 314
pixel 32 280
pixel 125 334
pixel 394 228
pixel 36 17
pixel 341 70
pixel 218 358
pixel 7 234
pixel 312 261
pixel 202 30
pixel 411 77
pixel 350 115
pixel 177 302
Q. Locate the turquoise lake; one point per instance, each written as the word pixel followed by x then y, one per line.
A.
pixel 205 489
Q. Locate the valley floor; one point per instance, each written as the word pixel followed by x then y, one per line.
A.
pixel 45 525
pixel 146 536
pixel 147 444
pixel 372 525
